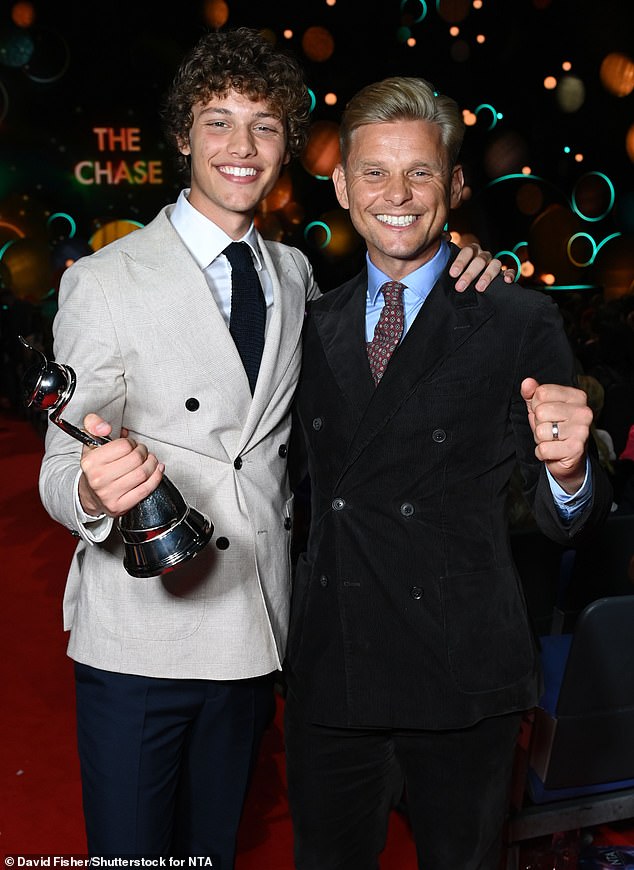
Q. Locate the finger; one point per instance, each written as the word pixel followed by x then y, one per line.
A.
pixel 464 257
pixel 134 494
pixel 96 425
pixel 551 430
pixel 115 460
pixel 509 275
pixel 528 388
pixel 123 483
pixel 481 262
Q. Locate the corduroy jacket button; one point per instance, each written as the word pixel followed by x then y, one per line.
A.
pixel 407 509
pixel 237 463
pixel 317 424
pixel 323 580
pixel 439 435
pixel 416 592
pixel 222 543
pixel 192 404
pixel 288 523
pixel 282 450
pixel 338 504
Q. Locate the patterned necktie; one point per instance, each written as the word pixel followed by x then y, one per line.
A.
pixel 248 309
pixel 388 330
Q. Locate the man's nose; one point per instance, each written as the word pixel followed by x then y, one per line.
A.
pixel 242 141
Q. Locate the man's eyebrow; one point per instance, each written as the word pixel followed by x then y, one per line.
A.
pixel 221 110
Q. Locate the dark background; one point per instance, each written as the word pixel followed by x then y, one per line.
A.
pixel 74 66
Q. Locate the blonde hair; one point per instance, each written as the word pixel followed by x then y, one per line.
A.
pixel 402 98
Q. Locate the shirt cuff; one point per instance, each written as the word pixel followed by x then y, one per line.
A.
pixel 569 506
pixel 95 529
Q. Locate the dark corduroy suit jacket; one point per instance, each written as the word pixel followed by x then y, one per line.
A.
pixel 407 609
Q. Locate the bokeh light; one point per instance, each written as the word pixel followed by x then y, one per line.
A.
pixel 110 231
pixel 413 11
pixel 216 13
pixel 23 14
pixel 334 234
pixel 593 196
pixel 506 154
pixel 280 196
pixel 318 44
pixel 617 74
pixel 614 266
pixel 453 11
pixel 529 198
pixel 321 153
pixel 269 226
pixel 28 265
pixel 16 47
pixel 570 93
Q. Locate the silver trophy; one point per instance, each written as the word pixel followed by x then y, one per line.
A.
pixel 161 531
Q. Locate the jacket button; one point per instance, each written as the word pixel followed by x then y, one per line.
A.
pixel 338 504
pixel 416 592
pixel 222 543
pixel 323 580
pixel 237 463
pixel 282 450
pixel 407 509
pixel 288 523
pixel 192 404
pixel 439 435
pixel 317 424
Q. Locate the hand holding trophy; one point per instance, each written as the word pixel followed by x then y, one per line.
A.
pixel 161 531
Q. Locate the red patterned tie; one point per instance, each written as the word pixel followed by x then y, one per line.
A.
pixel 388 330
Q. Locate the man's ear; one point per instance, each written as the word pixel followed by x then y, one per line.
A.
pixel 457 183
pixel 339 181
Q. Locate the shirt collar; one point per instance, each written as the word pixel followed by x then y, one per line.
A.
pixel 419 282
pixel 203 238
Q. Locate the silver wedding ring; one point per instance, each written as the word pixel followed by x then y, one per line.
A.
pixel 555 430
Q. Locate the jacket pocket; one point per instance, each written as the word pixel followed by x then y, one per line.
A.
pixel 489 641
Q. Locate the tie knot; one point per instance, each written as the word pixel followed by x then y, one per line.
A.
pixel 393 292
pixel 239 255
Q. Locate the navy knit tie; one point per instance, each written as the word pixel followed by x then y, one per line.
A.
pixel 248 309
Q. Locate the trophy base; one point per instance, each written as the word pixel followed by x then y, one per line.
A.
pixel 149 553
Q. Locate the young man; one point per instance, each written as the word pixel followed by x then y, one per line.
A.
pixel 410 655
pixel 174 673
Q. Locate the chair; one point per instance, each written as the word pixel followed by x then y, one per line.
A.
pixel 602 566
pixel 575 763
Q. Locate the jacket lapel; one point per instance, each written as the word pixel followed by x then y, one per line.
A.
pixel 341 329
pixel 446 320
pixel 185 313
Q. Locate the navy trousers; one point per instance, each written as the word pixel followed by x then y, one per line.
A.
pixel 343 782
pixel 165 764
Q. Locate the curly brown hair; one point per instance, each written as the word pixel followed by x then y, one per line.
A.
pixel 242 60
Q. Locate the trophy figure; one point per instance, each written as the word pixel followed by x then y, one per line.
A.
pixel 161 531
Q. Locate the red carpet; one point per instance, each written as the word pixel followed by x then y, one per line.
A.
pixel 41 794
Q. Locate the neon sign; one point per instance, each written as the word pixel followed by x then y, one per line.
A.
pixel 118 171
